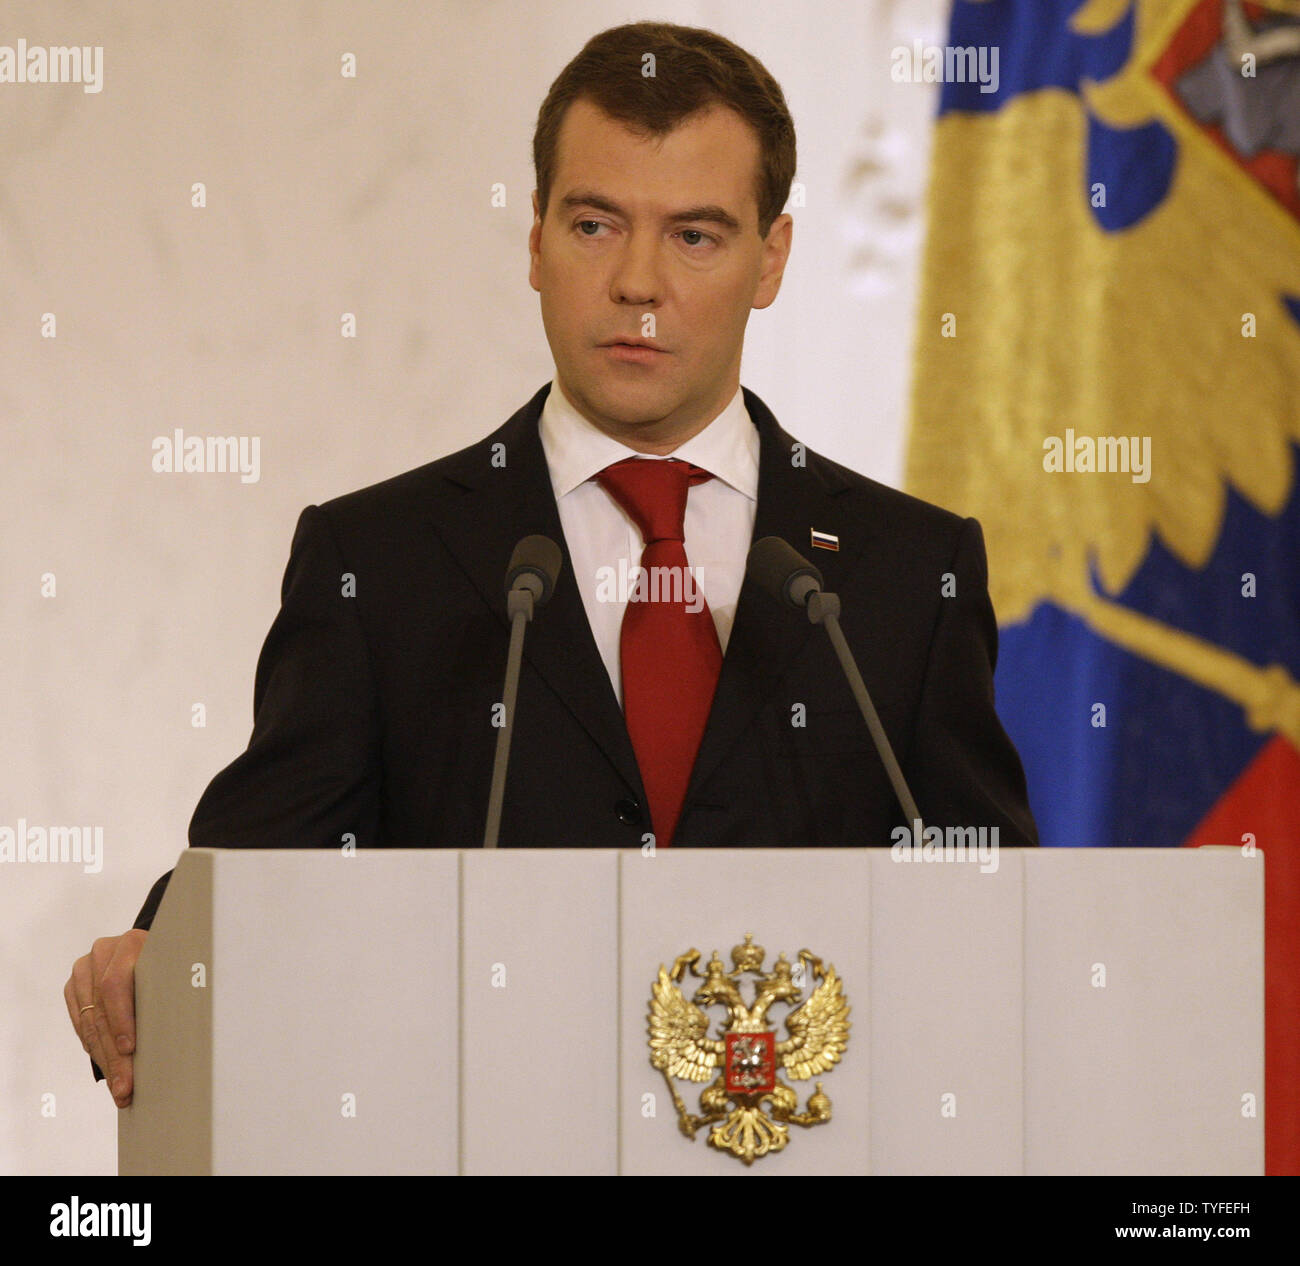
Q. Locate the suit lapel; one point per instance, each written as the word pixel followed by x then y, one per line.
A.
pixel 797 491
pixel 498 506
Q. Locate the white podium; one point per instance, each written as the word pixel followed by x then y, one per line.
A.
pixel 1092 1011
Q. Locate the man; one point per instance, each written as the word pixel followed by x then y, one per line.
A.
pixel 701 714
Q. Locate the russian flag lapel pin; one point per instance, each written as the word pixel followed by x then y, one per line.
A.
pixel 824 540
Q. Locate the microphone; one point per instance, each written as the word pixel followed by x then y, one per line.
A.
pixel 780 570
pixel 534 568
pixel 530 580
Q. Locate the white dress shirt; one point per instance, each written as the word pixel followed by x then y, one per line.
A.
pixel 600 534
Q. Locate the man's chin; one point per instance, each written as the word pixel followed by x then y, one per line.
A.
pixel 628 405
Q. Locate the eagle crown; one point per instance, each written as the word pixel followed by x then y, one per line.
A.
pixel 719 986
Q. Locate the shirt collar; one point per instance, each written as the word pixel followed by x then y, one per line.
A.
pixel 576 449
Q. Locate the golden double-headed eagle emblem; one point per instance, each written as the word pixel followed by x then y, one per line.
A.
pixel 745 1056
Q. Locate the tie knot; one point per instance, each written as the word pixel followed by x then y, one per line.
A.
pixel 653 493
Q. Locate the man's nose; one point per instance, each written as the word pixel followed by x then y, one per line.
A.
pixel 635 279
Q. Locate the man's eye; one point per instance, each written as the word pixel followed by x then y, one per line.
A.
pixel 696 239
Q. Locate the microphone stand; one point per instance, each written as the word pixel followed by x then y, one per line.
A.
pixel 824 609
pixel 519 607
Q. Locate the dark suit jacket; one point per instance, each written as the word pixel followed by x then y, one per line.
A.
pixel 372 713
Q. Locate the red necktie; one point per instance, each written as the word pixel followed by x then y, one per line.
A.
pixel 670 656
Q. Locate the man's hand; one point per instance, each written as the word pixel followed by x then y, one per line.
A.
pixel 100 995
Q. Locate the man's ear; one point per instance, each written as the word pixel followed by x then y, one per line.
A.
pixel 535 246
pixel 776 251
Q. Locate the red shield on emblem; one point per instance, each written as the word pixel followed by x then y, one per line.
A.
pixel 751 1063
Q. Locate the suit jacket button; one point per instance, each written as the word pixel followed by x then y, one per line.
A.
pixel 628 811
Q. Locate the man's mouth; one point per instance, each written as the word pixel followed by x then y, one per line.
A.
pixel 634 351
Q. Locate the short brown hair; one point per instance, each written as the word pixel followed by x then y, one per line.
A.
pixel 694 69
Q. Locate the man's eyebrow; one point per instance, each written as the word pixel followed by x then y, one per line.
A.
pixel 709 214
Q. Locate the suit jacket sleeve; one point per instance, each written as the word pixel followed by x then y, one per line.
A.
pixel 962 767
pixel 312 772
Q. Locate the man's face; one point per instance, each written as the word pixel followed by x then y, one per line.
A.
pixel 653 240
